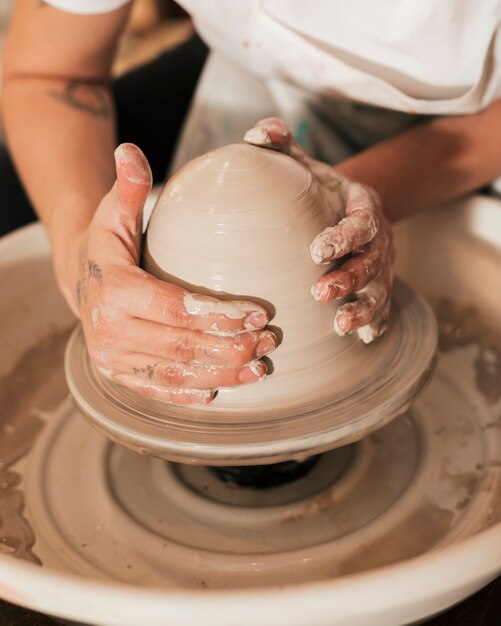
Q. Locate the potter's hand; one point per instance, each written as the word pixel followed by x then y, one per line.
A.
pixel 149 335
pixel 362 238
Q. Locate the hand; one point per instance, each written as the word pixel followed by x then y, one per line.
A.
pixel 362 239
pixel 137 328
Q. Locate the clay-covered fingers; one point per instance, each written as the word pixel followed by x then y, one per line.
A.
pixel 354 274
pixel 367 277
pixel 360 225
pixel 362 311
pixel 164 373
pixel 149 389
pixel 350 234
pixel 368 314
pixel 186 345
pixel 159 301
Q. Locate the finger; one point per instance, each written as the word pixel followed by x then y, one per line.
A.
pixel 350 234
pixel 181 397
pixel 353 275
pixel 122 209
pixel 353 315
pixel 359 226
pixel 185 345
pixel 159 301
pixel 380 290
pixel 369 313
pixel 377 326
pixel 271 132
pixel 167 373
pixel 134 178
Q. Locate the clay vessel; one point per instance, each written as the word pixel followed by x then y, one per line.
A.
pixel 238 223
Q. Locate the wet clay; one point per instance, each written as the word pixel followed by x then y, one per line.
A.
pixel 463 325
pixel 34 385
pixel 237 224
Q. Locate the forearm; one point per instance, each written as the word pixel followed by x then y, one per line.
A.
pixel 61 136
pixel 59 118
pixel 431 163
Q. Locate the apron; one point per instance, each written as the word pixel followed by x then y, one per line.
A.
pixel 297 61
pixel 228 101
pixel 342 74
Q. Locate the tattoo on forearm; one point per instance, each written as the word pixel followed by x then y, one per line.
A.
pixel 88 269
pixel 83 96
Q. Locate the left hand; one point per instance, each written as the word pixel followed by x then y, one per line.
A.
pixel 363 239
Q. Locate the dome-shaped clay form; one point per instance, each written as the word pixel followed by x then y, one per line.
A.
pixel 237 223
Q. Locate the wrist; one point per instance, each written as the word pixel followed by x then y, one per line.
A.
pixel 65 260
pixel 66 236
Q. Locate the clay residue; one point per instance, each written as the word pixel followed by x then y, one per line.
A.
pixel 35 383
pixel 421 531
pixel 463 325
pixel 16 534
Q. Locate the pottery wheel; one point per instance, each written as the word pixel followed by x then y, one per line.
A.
pixel 408 519
pixel 402 362
pixel 417 483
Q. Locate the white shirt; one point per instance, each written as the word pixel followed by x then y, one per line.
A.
pixel 418 56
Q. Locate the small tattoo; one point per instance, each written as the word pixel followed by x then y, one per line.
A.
pixel 95 271
pixel 87 269
pixel 84 96
pixel 148 370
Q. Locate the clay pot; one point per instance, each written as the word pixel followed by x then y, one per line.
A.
pixel 237 223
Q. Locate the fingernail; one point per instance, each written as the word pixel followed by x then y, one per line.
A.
pixel 346 324
pixel 256 320
pixel 267 344
pixel 258 136
pixel 324 291
pixel 320 253
pixel 132 163
pixel 323 249
pixel 337 328
pixel 254 371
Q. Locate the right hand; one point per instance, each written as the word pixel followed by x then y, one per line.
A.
pixel 137 329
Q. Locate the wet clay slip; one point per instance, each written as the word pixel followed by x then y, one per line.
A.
pixel 237 223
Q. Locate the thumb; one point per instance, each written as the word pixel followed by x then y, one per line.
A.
pixel 133 180
pixel 273 132
pixel 122 209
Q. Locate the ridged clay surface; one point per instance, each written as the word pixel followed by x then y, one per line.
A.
pixel 237 223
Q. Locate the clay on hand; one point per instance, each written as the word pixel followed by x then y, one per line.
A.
pixel 362 240
pixel 145 333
